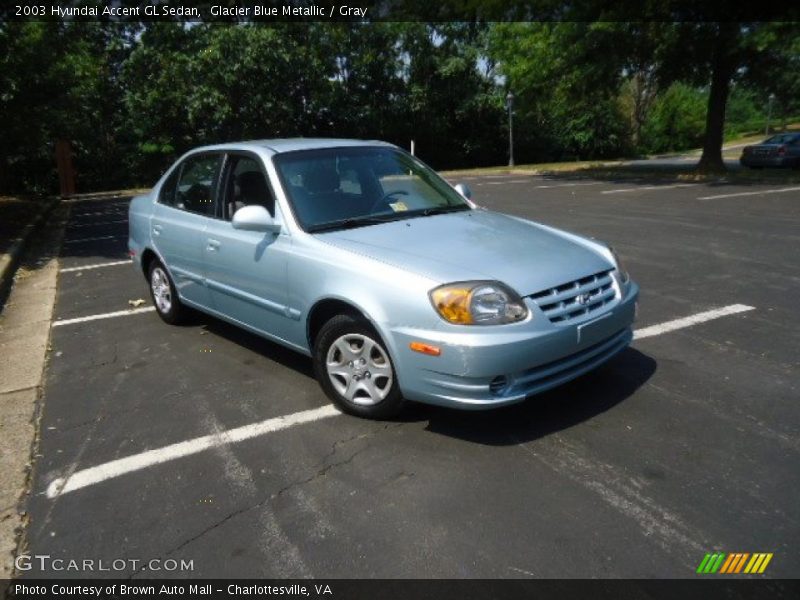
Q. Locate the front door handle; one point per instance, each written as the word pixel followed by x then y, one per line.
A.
pixel 213 245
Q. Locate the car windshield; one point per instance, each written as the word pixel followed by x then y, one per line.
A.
pixel 337 188
pixel 786 138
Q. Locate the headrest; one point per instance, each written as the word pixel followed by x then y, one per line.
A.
pixel 252 184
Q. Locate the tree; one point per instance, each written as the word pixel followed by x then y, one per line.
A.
pixel 724 59
pixel 156 82
pixel 454 111
pixel 717 54
pixel 566 78
pixel 59 81
pixel 676 120
pixel 774 70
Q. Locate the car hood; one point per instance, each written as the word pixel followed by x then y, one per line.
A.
pixel 475 244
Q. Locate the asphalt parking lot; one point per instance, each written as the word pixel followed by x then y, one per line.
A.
pixel 686 443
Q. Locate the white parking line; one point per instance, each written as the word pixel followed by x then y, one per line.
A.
pixel 758 193
pixel 541 187
pixel 121 466
pixel 114 199
pixel 111 315
pixel 96 266
pixel 692 320
pixel 557 185
pixel 648 187
pixel 116 468
pixel 505 182
pixel 98 213
pixel 97 224
pixel 95 239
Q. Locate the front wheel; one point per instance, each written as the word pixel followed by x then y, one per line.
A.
pixel 165 298
pixel 354 368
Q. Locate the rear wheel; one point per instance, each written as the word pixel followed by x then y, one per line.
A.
pixel 164 296
pixel 354 368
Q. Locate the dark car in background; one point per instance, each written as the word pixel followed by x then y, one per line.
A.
pixel 782 150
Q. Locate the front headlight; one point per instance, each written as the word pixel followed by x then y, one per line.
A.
pixel 478 303
pixel 624 277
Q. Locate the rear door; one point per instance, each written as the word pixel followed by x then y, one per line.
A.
pixel 247 270
pixel 186 204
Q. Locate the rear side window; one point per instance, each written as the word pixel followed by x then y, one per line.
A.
pixel 167 193
pixel 197 186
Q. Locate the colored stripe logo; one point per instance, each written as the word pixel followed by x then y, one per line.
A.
pixel 734 562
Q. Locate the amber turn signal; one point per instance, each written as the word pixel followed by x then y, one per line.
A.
pixel 425 348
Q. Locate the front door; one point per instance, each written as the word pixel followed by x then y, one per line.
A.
pixel 247 270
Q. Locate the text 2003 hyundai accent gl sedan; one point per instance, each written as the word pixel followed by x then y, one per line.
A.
pixel 397 285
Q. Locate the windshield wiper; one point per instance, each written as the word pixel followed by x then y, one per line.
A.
pixel 438 210
pixel 353 222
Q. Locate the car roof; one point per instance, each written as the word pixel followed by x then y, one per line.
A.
pixel 278 146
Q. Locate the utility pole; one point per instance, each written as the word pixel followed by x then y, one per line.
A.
pixel 769 112
pixel 510 106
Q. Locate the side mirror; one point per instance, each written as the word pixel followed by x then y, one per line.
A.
pixel 463 189
pixel 254 218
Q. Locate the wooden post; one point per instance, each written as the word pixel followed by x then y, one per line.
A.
pixel 66 172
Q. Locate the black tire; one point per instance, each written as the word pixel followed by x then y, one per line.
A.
pixel 176 313
pixel 364 403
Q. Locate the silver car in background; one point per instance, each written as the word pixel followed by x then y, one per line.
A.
pixel 395 284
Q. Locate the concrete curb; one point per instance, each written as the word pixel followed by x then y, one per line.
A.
pixel 24 341
pixel 105 195
pixel 10 259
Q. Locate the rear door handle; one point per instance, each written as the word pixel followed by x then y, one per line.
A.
pixel 157 229
pixel 213 245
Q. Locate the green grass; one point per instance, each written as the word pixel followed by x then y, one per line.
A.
pixel 533 169
pixel 624 170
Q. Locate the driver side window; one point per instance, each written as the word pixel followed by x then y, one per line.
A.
pixel 246 185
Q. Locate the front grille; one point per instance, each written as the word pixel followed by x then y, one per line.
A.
pixel 577 298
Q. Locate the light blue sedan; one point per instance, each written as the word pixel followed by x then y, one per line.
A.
pixel 395 283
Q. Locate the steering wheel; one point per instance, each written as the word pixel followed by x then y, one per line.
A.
pixel 384 200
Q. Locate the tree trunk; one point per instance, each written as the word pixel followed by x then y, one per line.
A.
pixel 722 68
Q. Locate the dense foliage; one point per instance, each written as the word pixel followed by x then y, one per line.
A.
pixel 131 97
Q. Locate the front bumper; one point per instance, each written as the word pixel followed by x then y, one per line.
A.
pixel 506 364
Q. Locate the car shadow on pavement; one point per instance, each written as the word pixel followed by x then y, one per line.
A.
pixel 563 407
pixel 560 408
pixel 262 346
